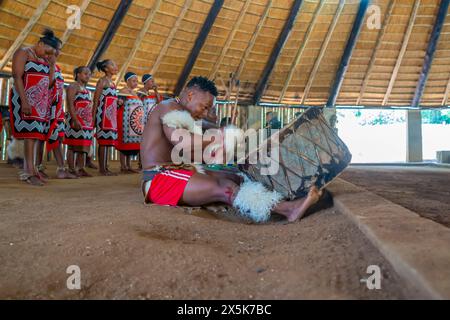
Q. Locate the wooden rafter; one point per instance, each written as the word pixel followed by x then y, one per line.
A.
pixel 323 49
pixel 381 34
pixel 201 38
pixel 230 38
pixel 402 51
pixel 347 55
pixel 279 45
pixel 249 48
pixel 137 42
pixel 431 49
pixel 110 31
pixel 69 31
pixel 300 50
pixel 173 31
pixel 24 33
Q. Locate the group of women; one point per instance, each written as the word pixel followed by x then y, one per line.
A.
pixel 116 118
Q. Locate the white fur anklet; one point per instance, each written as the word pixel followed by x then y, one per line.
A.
pixel 254 201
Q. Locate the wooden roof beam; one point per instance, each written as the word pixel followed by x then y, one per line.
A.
pixel 201 38
pixel 24 33
pixel 345 60
pixel 402 52
pixel 386 20
pixel 252 42
pixel 110 31
pixel 322 51
pixel 300 51
pixel 148 21
pixel 170 37
pixel 282 38
pixel 431 49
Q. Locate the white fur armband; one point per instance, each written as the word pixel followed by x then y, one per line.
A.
pixel 179 119
pixel 254 201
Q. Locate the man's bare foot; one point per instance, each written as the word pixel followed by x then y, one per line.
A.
pixel 64 174
pixel 298 207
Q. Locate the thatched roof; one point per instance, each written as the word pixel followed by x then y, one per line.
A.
pixel 158 36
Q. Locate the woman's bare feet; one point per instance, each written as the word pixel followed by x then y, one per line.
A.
pixel 31 179
pixel 83 173
pixel 131 170
pixel 42 176
pixel 294 210
pixel 64 174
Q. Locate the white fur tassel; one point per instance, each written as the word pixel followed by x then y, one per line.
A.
pixel 15 149
pixel 254 201
pixel 179 119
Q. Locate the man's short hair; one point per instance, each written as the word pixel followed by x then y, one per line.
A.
pixel 203 84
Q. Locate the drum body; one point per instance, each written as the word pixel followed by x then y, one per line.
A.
pixel 309 153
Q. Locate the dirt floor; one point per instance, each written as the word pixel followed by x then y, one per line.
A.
pixel 424 190
pixel 127 250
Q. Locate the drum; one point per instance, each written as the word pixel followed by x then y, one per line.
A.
pixel 309 153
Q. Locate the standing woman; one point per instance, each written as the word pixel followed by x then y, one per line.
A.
pixel 80 125
pixel 149 95
pixel 31 69
pixel 55 132
pixel 105 113
pixel 130 123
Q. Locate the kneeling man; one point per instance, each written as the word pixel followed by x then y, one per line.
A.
pixel 165 183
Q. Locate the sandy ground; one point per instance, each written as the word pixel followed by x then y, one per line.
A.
pixel 424 190
pixel 127 250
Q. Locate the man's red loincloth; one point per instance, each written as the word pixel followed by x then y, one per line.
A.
pixel 167 187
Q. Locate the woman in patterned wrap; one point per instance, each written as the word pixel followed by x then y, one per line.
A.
pixel 32 67
pixel 105 113
pixel 80 125
pixel 149 95
pixel 130 123
pixel 55 127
